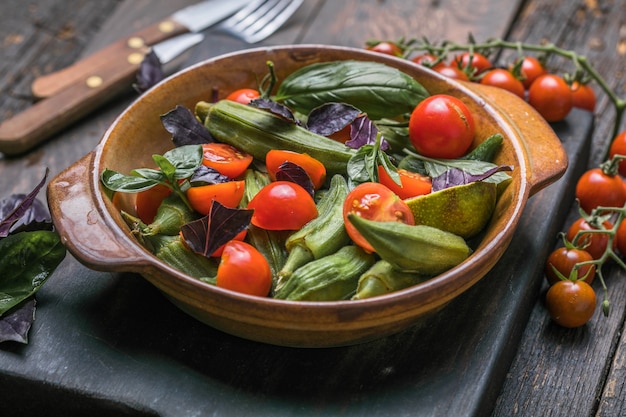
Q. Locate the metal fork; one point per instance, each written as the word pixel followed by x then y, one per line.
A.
pixel 260 19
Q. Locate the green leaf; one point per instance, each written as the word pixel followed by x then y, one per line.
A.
pixel 27 260
pixel 377 89
pixel 186 159
pixel 116 181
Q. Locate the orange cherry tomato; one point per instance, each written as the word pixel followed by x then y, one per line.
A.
pixel 584 97
pixel 342 135
pixel 244 95
pixel 225 159
pixel 499 77
pixel 244 269
pixel 413 184
pixel 374 201
pixel 314 168
pixel 147 202
pixel 571 303
pixel 227 193
pixel 282 205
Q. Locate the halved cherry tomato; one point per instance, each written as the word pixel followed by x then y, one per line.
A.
pixel 342 135
pixel 441 126
pixel 314 168
pixel 584 97
pixel 595 243
pixel 531 68
pixel 452 71
pixel 147 202
pixel 473 60
pixel 244 269
pixel 387 48
pixel 564 259
pixel 597 188
pixel 571 303
pixel 499 77
pixel 618 147
pixel 282 205
pixel 374 201
pixel 227 193
pixel 225 159
pixel 244 95
pixel 550 95
pixel 413 183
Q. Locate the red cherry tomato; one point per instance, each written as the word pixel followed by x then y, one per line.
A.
pixel 225 159
pixel 618 147
pixel 584 97
pixel 531 68
pixel 427 60
pixel 441 126
pixel 474 60
pixel 218 252
pixel 374 201
pixel 387 48
pixel 620 237
pixel 564 259
pixel 282 205
pixel 594 243
pixel 550 95
pixel 413 184
pixel 314 168
pixel 244 269
pixel 452 72
pixel 596 188
pixel 227 193
pixel 243 95
pixel 571 303
pixel 504 79
pixel 147 202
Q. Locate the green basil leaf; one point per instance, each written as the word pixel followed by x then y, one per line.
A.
pixel 116 181
pixel 186 159
pixel 28 259
pixel 358 166
pixel 377 89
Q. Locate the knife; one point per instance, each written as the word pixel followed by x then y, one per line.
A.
pixel 130 50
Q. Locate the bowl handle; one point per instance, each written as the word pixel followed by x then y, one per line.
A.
pixel 87 231
pixel 546 156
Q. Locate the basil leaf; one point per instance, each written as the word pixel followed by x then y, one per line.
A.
pixel 377 89
pixel 116 181
pixel 185 128
pixel 9 219
pixel 185 159
pixel 15 324
pixel 28 259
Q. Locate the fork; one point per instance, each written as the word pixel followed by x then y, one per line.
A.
pixel 259 19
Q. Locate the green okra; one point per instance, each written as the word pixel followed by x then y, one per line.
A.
pixel 330 278
pixel 323 235
pixel 382 278
pixel 173 251
pixel 171 215
pixel 416 248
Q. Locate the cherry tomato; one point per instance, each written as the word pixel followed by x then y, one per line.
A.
pixel 620 236
pixel 504 79
pixel 218 252
pixel 441 126
pixel 227 193
pixel 147 202
pixel 244 269
pixel 596 188
pixel 564 259
pixel 342 135
pixel 594 243
pixel 584 97
pixel 413 183
pixel 314 168
pixel 225 159
pixel 452 72
pixel 474 60
pixel 427 60
pixel 244 95
pixel 571 303
pixel 618 147
pixel 531 68
pixel 387 48
pixel 374 201
pixel 282 205
pixel 550 95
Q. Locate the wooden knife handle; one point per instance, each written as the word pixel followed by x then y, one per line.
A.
pixel 130 49
pixel 50 115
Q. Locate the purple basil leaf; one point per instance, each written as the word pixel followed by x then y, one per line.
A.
pixel 222 224
pixel 288 171
pixel 185 129
pixel 456 176
pixel 14 325
pixel 275 108
pixel 20 209
pixel 363 132
pixel 331 117
pixel 36 217
pixel 149 74
pixel 207 175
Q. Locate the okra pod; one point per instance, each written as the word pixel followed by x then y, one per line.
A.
pixel 173 251
pixel 382 278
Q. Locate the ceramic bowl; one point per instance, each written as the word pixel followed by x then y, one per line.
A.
pixel 96 235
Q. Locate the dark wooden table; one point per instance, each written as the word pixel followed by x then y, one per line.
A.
pixel 110 344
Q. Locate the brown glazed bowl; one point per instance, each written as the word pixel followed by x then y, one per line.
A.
pixel 96 235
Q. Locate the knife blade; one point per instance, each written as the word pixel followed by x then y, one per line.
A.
pixel 49 115
pixel 131 49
